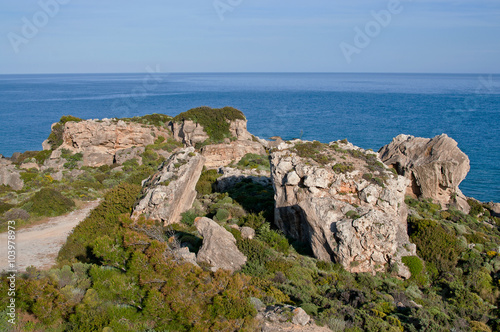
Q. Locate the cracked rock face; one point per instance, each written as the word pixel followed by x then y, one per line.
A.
pixel 171 191
pixel 219 246
pixel 342 201
pixel 435 167
pixel 100 141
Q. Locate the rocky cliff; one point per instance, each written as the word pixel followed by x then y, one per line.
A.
pixel 342 201
pixel 434 166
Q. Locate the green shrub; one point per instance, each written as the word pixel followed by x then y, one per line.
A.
pixel 4 207
pixel 434 244
pixel 313 150
pixel 215 121
pixel 56 136
pixel 42 156
pixel 252 220
pixel 189 216
pixel 49 202
pixel 343 168
pixel 274 239
pixel 254 161
pixel 155 119
pixel 103 220
pixel 206 182
pixel 222 215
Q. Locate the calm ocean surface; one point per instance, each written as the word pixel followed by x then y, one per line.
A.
pixel 367 109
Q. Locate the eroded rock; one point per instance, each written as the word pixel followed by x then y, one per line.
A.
pixel 435 167
pixel 219 246
pixel 219 155
pixel 171 191
pixel 342 201
pixel 10 175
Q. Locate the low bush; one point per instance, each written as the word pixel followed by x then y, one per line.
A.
pixel 49 202
pixel 254 161
pixel 206 183
pixel 215 121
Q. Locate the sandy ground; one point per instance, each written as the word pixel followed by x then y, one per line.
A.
pixel 39 245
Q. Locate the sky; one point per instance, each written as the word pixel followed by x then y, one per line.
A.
pixel 113 36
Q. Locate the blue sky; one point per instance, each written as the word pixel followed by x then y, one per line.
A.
pixel 90 36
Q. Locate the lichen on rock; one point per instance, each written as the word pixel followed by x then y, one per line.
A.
pixel 342 201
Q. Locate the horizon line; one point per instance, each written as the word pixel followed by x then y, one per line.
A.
pixel 253 72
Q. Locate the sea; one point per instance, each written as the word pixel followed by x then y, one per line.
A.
pixel 367 109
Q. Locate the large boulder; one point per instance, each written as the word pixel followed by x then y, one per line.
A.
pixel 171 191
pixel 434 166
pixel 10 175
pixel 219 246
pixel 342 201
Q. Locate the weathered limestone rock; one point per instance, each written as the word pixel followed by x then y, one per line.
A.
pixel 189 132
pixel 435 167
pixel 247 233
pixel 55 161
pixel 300 317
pixel 123 155
pixel 99 141
pixel 171 191
pixel 9 175
pixel 29 165
pixel 219 246
pixel 219 155
pixel 344 202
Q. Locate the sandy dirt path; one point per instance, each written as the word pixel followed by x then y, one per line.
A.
pixel 39 245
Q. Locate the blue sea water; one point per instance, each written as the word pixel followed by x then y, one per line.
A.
pixel 367 109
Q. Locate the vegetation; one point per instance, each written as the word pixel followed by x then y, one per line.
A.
pixel 115 274
pixel 48 202
pixel 155 119
pixel 254 161
pixel 215 121
pixel 313 150
pixel 56 136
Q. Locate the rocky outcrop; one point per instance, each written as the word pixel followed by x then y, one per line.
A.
pixel 434 166
pixel 188 132
pixel 10 175
pixel 171 191
pixel 219 155
pixel 219 247
pixel 342 201
pixel 99 141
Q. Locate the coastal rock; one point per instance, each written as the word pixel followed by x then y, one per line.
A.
pixel 9 175
pixel 219 246
pixel 171 191
pixel 342 201
pixel 434 166
pixel 219 155
pixel 188 132
pixel 100 140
